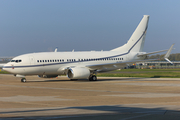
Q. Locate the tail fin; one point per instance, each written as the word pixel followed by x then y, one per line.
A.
pixel 136 41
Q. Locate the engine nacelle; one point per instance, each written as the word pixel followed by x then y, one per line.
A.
pixel 78 73
pixel 47 76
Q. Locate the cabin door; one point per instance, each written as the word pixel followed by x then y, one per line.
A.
pixel 31 58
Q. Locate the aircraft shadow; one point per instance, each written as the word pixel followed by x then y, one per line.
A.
pixel 110 112
pixel 86 80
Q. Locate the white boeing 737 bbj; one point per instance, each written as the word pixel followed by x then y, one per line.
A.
pixel 82 65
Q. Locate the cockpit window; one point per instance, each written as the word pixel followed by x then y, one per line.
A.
pixel 12 60
pixel 17 61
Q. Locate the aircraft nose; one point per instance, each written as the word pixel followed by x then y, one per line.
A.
pixel 6 67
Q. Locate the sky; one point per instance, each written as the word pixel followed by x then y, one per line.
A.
pixel 28 26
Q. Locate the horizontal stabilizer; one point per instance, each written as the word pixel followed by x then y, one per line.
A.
pixel 168 60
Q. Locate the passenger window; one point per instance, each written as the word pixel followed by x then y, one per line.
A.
pixel 20 60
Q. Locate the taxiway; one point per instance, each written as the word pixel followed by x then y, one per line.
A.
pixel 107 98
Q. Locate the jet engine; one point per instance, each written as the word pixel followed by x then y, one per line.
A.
pixel 47 76
pixel 78 73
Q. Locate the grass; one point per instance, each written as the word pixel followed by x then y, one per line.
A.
pixel 3 72
pixel 148 73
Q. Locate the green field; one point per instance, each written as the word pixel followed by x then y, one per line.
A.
pixel 3 72
pixel 148 73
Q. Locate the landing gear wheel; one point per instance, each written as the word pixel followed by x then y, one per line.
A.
pixel 93 78
pixel 23 80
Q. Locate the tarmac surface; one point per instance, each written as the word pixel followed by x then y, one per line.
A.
pixel 105 99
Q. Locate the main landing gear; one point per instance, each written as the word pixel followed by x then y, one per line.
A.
pixel 23 80
pixel 93 78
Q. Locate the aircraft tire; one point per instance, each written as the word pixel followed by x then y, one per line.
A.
pixel 23 80
pixel 93 78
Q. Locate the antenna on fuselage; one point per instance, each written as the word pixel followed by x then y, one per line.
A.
pixel 56 49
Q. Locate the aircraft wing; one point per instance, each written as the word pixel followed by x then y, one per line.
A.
pixel 113 66
pixel 120 64
pixel 142 55
pixel 168 54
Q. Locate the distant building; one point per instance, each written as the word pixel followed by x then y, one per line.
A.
pixel 158 65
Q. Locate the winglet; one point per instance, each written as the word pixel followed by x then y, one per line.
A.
pixel 168 53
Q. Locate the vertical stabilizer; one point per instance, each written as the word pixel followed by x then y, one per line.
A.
pixel 137 39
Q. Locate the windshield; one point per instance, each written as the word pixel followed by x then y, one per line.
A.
pixel 17 61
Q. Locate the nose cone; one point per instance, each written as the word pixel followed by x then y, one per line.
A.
pixel 7 67
pixel 4 67
pixel 1 65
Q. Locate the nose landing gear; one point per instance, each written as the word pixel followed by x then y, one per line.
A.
pixel 23 80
